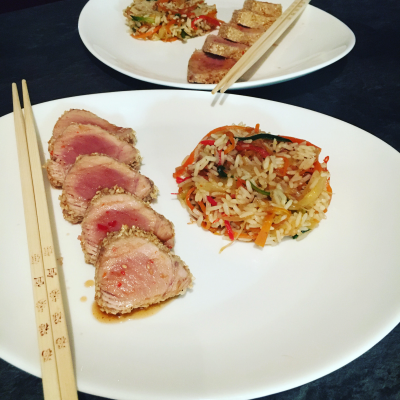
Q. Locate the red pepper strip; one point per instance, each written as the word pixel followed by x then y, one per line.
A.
pixel 180 180
pixel 229 230
pixel 326 159
pixel 208 142
pixel 220 157
pixel 295 140
pixel 241 182
pixel 211 20
pixel 187 199
pixel 211 201
pixel 247 146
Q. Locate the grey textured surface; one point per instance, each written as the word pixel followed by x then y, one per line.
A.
pixel 41 44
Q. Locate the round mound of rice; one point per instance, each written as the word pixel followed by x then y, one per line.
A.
pixel 170 20
pixel 254 188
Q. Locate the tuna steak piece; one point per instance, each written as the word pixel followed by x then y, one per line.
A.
pixel 221 47
pixel 94 172
pixel 252 20
pixel 78 139
pixel 263 8
pixel 112 208
pixel 88 118
pixel 135 270
pixel 207 68
pixel 240 34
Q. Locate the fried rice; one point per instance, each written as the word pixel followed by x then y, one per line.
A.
pixel 248 185
pixel 170 20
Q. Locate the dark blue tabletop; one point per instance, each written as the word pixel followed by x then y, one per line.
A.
pixel 41 44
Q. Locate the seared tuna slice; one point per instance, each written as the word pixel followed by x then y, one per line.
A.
pixel 78 139
pixel 252 20
pixel 207 68
pixel 224 48
pixel 88 118
pixel 112 208
pixel 263 8
pixel 91 173
pixel 135 270
pixel 239 34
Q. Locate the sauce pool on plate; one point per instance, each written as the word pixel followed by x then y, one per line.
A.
pixel 136 314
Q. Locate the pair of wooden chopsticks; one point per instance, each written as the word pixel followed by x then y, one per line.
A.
pixel 54 346
pixel 255 52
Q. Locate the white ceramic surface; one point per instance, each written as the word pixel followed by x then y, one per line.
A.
pixel 315 40
pixel 258 321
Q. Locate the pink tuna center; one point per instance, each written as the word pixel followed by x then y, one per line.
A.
pixel 112 220
pixel 88 144
pixel 99 177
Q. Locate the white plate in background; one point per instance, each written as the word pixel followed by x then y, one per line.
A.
pixel 317 39
pixel 258 321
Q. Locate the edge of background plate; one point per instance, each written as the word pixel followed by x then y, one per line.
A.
pixel 237 85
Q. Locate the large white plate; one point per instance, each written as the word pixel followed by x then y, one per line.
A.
pixel 257 321
pixel 316 40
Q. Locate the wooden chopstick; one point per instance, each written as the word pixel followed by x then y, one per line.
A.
pixel 54 346
pixel 255 52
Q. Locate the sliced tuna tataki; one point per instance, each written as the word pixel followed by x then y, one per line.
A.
pixel 91 173
pixel 79 139
pixel 135 270
pixel 88 118
pixel 109 210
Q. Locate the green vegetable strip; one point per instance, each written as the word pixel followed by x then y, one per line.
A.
pixel 296 236
pixel 143 19
pixel 257 189
pixel 264 136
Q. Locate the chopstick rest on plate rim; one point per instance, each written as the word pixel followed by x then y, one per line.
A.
pixel 267 39
pixel 54 346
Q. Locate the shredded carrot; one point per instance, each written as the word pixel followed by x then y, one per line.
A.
pixel 202 206
pixel 317 166
pixel 170 39
pixel 189 160
pixel 148 33
pixel 328 186
pixel 257 128
pixel 233 143
pixel 263 235
pixel 285 167
pixel 188 197
pixel 234 219
pixel 168 26
pixel 206 224
pixel 179 170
